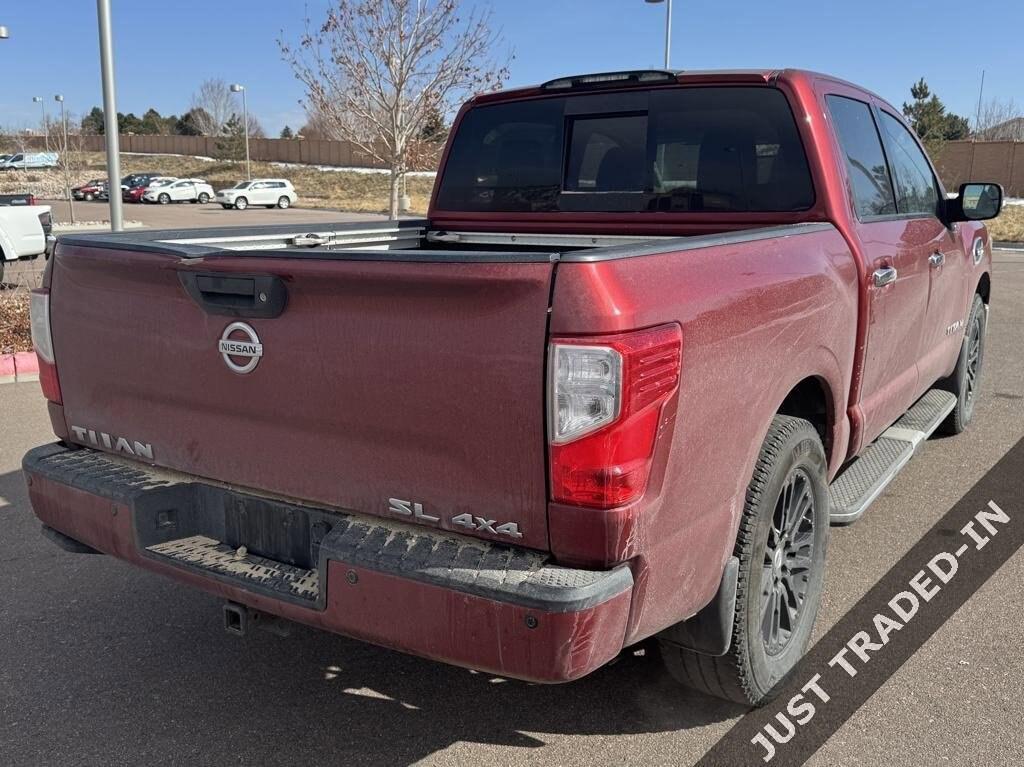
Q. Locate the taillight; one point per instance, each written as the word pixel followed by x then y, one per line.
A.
pixel 42 342
pixel 606 395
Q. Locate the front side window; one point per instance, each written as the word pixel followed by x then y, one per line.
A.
pixel 680 149
pixel 865 160
pixel 916 189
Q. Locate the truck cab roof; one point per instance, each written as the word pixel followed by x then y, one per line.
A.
pixel 647 78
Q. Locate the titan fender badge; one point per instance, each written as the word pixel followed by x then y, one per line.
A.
pixel 239 340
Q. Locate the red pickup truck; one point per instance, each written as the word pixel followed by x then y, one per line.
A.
pixel 657 331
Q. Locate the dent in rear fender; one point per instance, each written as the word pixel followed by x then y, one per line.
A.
pixel 757 317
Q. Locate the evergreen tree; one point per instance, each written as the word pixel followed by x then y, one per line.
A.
pixel 286 132
pixel 231 142
pixel 929 118
pixel 93 122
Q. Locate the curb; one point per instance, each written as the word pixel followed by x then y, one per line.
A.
pixel 19 367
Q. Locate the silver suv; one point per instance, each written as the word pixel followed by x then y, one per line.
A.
pixel 269 192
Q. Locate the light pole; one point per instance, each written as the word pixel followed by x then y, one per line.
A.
pixel 59 98
pixel 110 115
pixel 46 128
pixel 668 28
pixel 236 88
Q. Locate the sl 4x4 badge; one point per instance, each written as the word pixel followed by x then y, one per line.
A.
pixel 468 521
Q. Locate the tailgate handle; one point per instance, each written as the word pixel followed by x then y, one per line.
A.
pixel 236 295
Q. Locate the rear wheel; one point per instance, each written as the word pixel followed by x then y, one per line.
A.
pixel 284 203
pixel 967 375
pixel 88 197
pixel 203 198
pixel 781 549
pixel 164 198
pixel 241 203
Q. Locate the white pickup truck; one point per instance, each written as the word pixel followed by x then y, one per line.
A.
pixel 24 233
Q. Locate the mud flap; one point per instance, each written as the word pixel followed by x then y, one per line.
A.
pixel 709 632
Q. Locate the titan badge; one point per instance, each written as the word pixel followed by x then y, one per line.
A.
pixel 113 443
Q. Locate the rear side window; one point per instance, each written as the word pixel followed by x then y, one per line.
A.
pixel 716 149
pixel 865 160
pixel 917 191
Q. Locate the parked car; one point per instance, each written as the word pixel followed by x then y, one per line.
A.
pixel 90 190
pixel 133 180
pixel 181 190
pixel 656 332
pixel 268 192
pixel 29 161
pixel 26 198
pixel 137 193
pixel 24 233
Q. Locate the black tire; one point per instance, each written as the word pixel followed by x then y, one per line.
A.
pixel 203 198
pixel 3 265
pixel 226 207
pixel 283 203
pixel 241 203
pixel 164 198
pixel 763 652
pixel 966 376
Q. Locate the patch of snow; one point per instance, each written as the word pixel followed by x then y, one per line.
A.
pixel 167 154
pixel 1013 201
pixel 343 169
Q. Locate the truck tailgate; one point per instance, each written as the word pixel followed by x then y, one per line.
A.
pixel 386 386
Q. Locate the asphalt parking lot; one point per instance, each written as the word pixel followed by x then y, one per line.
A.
pixel 185 215
pixel 104 664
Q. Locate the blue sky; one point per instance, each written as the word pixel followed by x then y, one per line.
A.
pixel 164 50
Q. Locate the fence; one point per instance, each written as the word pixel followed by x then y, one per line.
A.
pixel 998 161
pixel 303 151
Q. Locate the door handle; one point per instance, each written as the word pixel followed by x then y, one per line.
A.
pixel 884 276
pixel 937 259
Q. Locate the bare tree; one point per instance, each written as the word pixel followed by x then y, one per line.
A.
pixel 71 159
pixel 212 106
pixel 374 71
pixel 1000 121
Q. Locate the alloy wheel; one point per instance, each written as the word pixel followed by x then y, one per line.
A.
pixel 787 562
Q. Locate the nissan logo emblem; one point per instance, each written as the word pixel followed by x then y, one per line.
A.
pixel 240 340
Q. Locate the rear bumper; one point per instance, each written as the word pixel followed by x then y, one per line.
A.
pixel 446 597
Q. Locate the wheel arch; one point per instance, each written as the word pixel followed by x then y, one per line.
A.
pixel 812 400
pixel 984 287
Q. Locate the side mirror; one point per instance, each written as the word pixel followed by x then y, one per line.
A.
pixel 976 202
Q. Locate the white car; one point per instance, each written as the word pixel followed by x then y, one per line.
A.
pixel 24 233
pixel 182 190
pixel 268 192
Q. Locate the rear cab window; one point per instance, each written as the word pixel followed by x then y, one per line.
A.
pixel 729 149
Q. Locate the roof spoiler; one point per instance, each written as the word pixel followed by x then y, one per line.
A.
pixel 611 79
